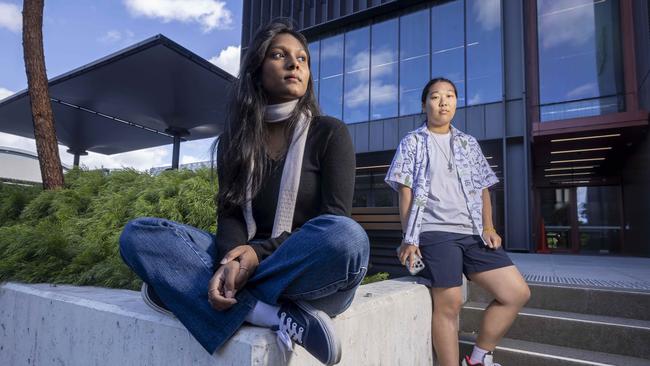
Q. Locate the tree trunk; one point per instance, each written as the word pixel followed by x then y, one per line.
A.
pixel 42 116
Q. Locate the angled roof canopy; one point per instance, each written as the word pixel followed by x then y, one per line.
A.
pixel 139 97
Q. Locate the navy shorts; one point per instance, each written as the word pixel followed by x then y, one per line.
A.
pixel 447 256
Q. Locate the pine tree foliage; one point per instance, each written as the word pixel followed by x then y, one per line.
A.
pixel 71 235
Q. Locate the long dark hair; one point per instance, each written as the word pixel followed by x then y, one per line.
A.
pixel 425 91
pixel 245 130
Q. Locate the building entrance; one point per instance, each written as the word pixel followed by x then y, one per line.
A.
pixel 585 219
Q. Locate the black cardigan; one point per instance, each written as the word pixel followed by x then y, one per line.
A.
pixel 326 187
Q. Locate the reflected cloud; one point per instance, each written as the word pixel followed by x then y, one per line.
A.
pixel 357 96
pixel 583 91
pixel 384 93
pixel 360 61
pixel 475 98
pixel 566 23
pixel 487 13
pixel 331 47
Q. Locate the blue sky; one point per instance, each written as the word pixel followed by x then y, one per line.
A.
pixel 76 32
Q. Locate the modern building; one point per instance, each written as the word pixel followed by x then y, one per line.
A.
pixel 556 92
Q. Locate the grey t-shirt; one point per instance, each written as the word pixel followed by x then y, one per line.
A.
pixel 446 208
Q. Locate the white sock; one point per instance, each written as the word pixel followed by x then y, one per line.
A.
pixel 263 315
pixel 478 354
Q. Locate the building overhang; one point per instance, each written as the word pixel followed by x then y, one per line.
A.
pixel 136 98
pixel 585 151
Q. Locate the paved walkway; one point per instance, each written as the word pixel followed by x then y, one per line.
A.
pixel 584 270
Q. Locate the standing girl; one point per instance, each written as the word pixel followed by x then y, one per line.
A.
pixel 282 167
pixel 442 179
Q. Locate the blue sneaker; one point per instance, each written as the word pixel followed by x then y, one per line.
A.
pixel 310 328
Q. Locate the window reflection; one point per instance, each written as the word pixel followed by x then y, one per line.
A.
pixel 580 66
pixel 484 76
pixel 414 60
pixel 382 68
pixel 331 76
pixel 357 70
pixel 383 73
pixel 370 190
pixel 447 45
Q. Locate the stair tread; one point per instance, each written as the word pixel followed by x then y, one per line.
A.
pixel 558 352
pixel 602 319
pixel 613 290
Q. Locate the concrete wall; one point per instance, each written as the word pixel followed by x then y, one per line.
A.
pixel 387 324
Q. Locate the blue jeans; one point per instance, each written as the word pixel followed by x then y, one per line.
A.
pixel 322 263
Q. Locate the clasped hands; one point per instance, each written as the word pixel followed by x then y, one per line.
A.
pixel 237 266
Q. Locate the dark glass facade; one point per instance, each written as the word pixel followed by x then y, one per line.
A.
pixel 533 78
pixel 377 71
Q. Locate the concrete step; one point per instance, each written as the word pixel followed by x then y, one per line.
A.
pixel 518 352
pixel 596 301
pixel 583 331
pixel 48 325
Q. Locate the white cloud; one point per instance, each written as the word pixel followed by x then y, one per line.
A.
pixel 111 36
pixel 488 13
pixel 11 17
pixel 114 36
pixel 210 14
pixel 228 59
pixel 187 159
pixel 4 93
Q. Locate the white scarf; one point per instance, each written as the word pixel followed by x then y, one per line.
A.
pixel 290 173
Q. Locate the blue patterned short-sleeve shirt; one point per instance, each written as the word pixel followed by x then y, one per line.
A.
pixel 411 168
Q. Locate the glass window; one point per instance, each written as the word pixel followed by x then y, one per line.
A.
pixel 484 64
pixel 383 72
pixel 370 190
pixel 414 60
pixel 599 218
pixel 357 71
pixel 331 76
pixel 314 52
pixel 580 66
pixel 382 194
pixel 362 189
pixel 447 45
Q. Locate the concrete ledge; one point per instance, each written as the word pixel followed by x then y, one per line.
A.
pixel 387 324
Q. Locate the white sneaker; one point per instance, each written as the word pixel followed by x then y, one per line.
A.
pixel 488 360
